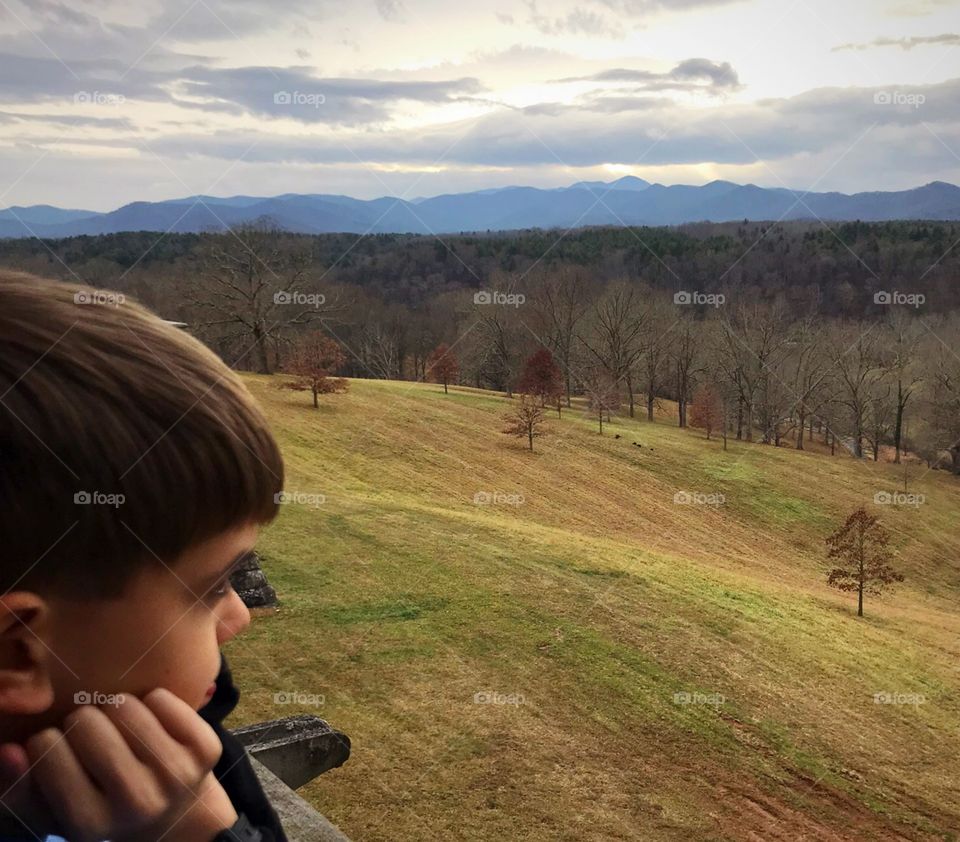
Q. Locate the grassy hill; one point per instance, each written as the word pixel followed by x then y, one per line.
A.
pixel 578 608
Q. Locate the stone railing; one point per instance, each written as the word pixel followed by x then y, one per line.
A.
pixel 288 753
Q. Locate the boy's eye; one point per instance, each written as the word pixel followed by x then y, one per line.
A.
pixel 219 590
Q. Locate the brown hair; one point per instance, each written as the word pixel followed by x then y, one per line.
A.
pixel 123 440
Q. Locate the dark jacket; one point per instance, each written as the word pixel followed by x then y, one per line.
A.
pixel 234 770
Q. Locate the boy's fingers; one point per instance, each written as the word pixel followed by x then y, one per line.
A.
pixel 15 785
pixel 130 787
pixel 153 745
pixel 73 799
pixel 18 800
pixel 185 725
pixel 14 764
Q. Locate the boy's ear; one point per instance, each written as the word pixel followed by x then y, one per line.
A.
pixel 25 686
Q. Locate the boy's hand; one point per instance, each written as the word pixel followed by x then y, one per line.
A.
pixel 134 770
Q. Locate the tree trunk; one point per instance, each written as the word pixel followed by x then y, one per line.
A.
pixel 650 400
pixel 898 427
pixel 316 403
pixel 800 430
pixel 530 437
pixel 630 392
pixel 860 600
pixel 445 388
pixel 261 343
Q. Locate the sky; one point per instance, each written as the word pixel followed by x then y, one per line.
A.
pixel 104 103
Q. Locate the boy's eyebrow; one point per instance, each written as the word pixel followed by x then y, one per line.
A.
pixel 216 577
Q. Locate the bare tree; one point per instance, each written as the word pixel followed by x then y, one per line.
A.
pixel 808 371
pixel 879 421
pixel 560 301
pixel 855 353
pixel 756 336
pixel 602 393
pixel 616 336
pixel 501 331
pixel 687 347
pixel 944 398
pixel 904 367
pixel 255 284
pixel 526 419
pixel 381 341
pixel 654 364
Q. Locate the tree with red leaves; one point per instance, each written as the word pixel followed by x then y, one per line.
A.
pixel 707 410
pixel 861 547
pixel 542 378
pixel 442 366
pixel 312 361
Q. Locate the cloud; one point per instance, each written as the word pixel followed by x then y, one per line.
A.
pixel 686 75
pixel 823 123
pixel 251 90
pixel 295 93
pixel 391 10
pixel 919 8
pixel 638 8
pixel 578 21
pixel 946 39
pixel 70 120
pixel 73 33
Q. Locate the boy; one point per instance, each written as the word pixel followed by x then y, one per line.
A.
pixel 135 470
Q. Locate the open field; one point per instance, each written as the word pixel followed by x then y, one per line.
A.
pixel 579 608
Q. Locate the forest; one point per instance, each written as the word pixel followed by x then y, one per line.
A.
pixel 776 332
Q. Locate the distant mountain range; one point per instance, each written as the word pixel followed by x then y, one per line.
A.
pixel 627 201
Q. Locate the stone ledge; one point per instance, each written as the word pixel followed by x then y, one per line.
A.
pixel 300 821
pixel 297 748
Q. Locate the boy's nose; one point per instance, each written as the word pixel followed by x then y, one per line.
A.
pixel 234 620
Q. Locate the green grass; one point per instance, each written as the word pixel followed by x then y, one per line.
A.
pixel 594 601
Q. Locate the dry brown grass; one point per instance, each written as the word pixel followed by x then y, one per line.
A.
pixel 597 599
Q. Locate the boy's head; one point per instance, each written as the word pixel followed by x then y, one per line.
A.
pixel 134 470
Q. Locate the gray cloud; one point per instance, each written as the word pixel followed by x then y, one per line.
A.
pixel 294 92
pixel 818 123
pixel 390 9
pixel 579 21
pixel 946 39
pixel 87 29
pixel 254 90
pixel 647 7
pixel 120 123
pixel 686 75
